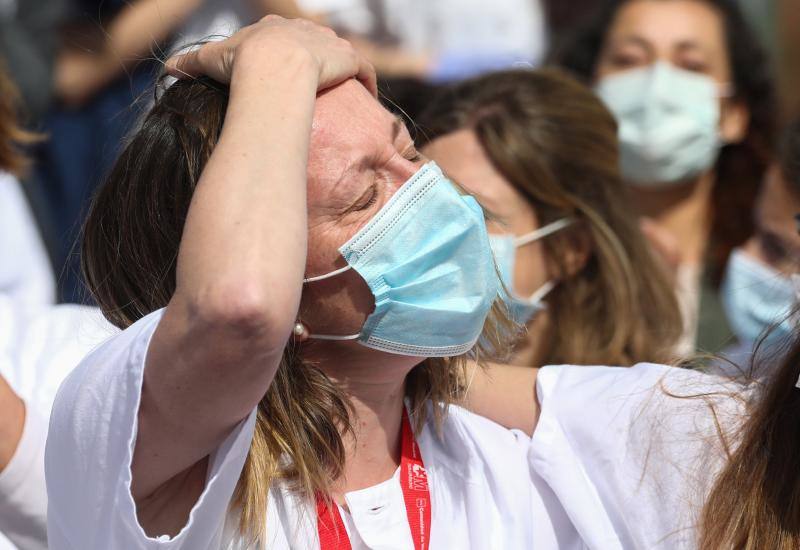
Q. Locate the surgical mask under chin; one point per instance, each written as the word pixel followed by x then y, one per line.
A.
pixel 521 309
pixel 756 298
pixel 426 258
pixel 668 123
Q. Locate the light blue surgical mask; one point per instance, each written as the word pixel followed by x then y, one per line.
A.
pixel 426 258
pixel 755 298
pixel 504 247
pixel 668 122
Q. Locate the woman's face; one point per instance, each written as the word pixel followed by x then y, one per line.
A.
pixel 776 242
pixel 461 156
pixel 689 34
pixel 359 155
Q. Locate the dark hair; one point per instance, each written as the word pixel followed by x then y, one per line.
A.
pixel 790 155
pixel 142 215
pixel 755 500
pixel 741 166
pixel 556 143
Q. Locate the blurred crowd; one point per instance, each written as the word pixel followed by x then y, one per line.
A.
pixel 86 69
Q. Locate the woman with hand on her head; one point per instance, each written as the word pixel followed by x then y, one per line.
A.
pixel 690 88
pixel 299 292
pixel 539 150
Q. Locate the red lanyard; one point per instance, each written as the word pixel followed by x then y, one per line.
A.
pixel 417 497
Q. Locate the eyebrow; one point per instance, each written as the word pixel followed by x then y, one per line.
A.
pixel 633 39
pixel 397 127
pixel 682 46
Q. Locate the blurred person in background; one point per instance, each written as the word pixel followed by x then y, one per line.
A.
pixel 540 152
pixel 111 50
pixel 28 42
pixel 695 103
pixel 148 29
pixel 39 344
pixel 438 41
pixel 763 275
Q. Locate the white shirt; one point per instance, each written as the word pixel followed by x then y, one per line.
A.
pixel 482 493
pixel 629 464
pixel 571 487
pixel 25 272
pixel 38 348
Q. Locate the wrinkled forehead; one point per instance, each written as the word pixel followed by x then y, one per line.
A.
pixel 350 128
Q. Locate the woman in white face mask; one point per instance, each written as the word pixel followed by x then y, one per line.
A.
pixel 689 87
pixel 299 292
pixel 759 288
pixel 540 151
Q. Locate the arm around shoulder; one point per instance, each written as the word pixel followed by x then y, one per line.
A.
pixel 504 394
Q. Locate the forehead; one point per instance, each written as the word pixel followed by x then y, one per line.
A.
pixel 350 128
pixel 462 157
pixel 668 23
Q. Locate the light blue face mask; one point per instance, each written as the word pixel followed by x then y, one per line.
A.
pixel 668 122
pixel 755 298
pixel 504 248
pixel 426 258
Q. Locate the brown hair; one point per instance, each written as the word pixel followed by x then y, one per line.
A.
pixel 556 143
pixel 130 245
pixel 755 502
pixel 12 136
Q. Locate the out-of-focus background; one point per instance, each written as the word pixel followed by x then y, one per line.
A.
pixel 86 68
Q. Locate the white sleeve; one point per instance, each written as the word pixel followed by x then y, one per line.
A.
pixel 89 451
pixel 632 453
pixel 25 272
pixel 23 498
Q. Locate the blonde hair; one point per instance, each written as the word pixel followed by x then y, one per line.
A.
pixel 555 142
pixel 130 245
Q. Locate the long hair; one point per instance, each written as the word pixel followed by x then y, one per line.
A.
pixel 741 166
pixel 130 245
pixel 556 143
pixel 755 502
pixel 12 135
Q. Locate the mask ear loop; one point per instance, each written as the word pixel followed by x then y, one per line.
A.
pixel 327 275
pixel 329 337
pixel 543 232
pixel 537 297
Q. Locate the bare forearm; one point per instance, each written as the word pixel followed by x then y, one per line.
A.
pixel 145 24
pixel 245 235
pixel 239 275
pixel 12 422
pixel 504 394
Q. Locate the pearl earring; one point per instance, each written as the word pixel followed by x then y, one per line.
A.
pixel 300 330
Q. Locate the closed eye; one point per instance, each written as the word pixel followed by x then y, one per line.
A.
pixel 366 200
pixel 412 155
